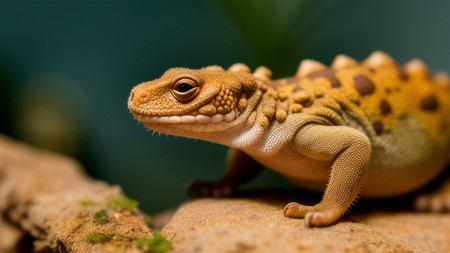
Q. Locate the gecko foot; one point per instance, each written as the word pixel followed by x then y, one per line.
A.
pixel 202 189
pixel 312 215
pixel 438 201
pixel 432 203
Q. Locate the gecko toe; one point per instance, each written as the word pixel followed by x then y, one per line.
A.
pixel 314 216
pixel 295 210
pixel 432 203
pixel 320 219
pixel 437 205
pixel 313 219
pixel 421 203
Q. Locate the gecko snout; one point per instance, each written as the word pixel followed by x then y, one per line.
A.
pixel 137 97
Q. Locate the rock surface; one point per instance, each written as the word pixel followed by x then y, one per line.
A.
pixel 256 224
pixel 42 195
pixel 48 204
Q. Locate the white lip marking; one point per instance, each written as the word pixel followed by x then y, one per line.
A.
pixel 230 116
pixel 164 119
pixel 217 118
pixel 175 119
pixel 199 123
pixel 202 119
pixel 187 119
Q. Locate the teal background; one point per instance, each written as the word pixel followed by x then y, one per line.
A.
pixel 66 68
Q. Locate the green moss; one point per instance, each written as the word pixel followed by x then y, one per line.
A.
pixel 148 220
pixel 120 237
pixel 123 203
pixel 95 237
pixel 87 202
pixel 100 217
pixel 157 244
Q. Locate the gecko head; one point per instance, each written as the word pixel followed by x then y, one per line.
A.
pixel 203 100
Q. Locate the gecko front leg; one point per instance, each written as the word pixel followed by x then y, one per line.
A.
pixel 239 169
pixel 349 151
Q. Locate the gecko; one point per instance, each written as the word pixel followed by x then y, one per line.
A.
pixel 370 129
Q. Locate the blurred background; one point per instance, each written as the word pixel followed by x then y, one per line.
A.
pixel 66 69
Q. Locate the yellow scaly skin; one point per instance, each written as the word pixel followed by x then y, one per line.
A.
pixel 374 124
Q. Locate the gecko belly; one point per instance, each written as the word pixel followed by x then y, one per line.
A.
pixel 300 170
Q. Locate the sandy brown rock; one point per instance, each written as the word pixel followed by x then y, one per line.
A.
pixel 50 198
pixel 258 225
pixel 42 194
pixel 9 236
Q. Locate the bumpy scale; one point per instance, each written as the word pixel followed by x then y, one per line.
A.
pixel 374 124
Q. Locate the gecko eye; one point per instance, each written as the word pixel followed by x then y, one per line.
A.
pixel 185 89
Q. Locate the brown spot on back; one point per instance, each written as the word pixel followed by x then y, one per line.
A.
pixel 429 103
pixel 293 79
pixel 364 85
pixel 385 107
pixel 297 89
pixel 402 74
pixel 378 127
pixel 328 74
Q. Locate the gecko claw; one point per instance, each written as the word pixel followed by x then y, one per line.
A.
pixel 294 210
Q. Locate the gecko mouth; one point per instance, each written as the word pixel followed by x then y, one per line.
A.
pixel 187 119
pixel 199 123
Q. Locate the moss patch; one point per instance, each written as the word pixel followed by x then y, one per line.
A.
pixel 148 220
pixel 87 202
pixel 120 237
pixel 95 237
pixel 157 244
pixel 123 203
pixel 100 217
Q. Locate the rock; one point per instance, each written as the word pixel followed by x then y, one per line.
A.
pixel 256 224
pixel 9 237
pixel 160 220
pixel 49 198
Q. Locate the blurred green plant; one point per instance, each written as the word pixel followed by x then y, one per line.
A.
pixel 51 111
pixel 276 32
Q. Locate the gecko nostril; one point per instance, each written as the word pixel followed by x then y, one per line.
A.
pixel 140 98
pixel 132 96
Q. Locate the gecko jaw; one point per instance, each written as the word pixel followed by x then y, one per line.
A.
pixel 187 119
pixel 199 123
